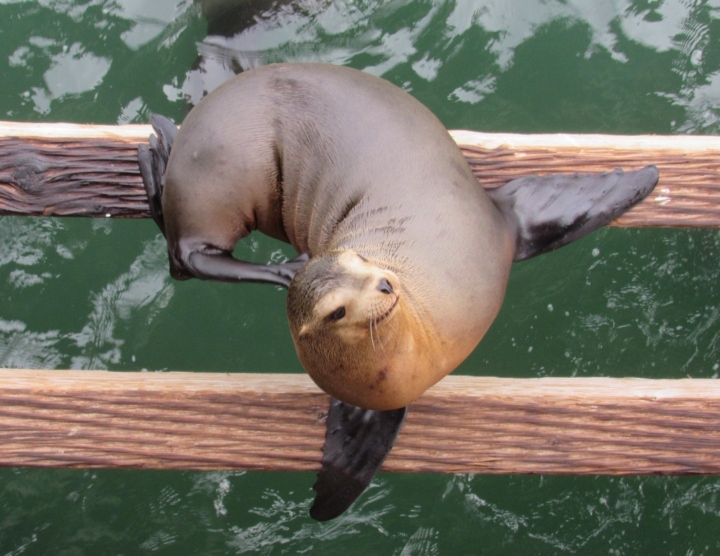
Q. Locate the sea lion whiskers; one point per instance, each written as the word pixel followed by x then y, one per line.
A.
pixel 374 324
pixel 374 321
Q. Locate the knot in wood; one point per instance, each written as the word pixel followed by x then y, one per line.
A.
pixel 28 173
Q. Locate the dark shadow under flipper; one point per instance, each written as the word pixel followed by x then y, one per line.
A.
pixel 153 161
pixel 551 211
pixel 356 444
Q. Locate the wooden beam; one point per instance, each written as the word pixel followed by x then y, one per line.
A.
pixel 275 421
pixel 687 195
pixel 84 170
pixel 71 170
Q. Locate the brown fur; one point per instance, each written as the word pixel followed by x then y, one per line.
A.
pixel 341 163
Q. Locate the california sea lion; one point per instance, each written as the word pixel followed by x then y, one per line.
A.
pixel 408 256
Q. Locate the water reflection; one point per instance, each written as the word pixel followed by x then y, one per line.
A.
pixel 415 44
pixel 642 303
pixel 417 47
pixel 144 289
pixel 285 522
pixel 588 515
pixel 149 19
pixel 215 483
pixel 24 349
pixel 423 542
pixel 72 70
pixel 145 284
pixel 65 54
pixel 23 241
pixel 120 512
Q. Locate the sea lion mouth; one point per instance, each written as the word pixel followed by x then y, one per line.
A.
pixel 386 314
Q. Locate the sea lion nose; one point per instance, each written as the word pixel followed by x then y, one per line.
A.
pixel 385 287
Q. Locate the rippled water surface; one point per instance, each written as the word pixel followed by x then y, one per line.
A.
pixel 96 295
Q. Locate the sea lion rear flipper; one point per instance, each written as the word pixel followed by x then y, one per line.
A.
pixel 356 444
pixel 153 161
pixel 554 210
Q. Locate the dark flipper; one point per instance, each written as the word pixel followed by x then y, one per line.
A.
pixel 356 443
pixel 551 211
pixel 153 161
pixel 211 263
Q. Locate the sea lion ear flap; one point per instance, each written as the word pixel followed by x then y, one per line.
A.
pixel 554 210
pixel 356 444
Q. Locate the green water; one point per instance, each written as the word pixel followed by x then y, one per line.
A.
pixel 96 294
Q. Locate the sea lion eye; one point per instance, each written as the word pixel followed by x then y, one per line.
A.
pixel 337 314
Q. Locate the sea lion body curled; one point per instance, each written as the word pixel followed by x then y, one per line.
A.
pixel 404 257
pixel 336 161
pixel 366 181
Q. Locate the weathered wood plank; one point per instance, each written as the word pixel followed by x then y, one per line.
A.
pixel 73 175
pixel 83 170
pixel 687 195
pixel 462 425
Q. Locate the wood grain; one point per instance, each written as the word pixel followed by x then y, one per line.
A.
pixel 687 195
pixel 71 177
pixel 83 170
pixel 462 425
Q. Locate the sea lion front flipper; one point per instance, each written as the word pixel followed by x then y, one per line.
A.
pixel 356 444
pixel 554 210
pixel 153 161
pixel 206 262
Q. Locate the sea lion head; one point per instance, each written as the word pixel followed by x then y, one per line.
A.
pixel 352 331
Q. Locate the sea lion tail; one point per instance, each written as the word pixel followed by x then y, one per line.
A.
pixel 153 161
pixel 550 211
pixel 357 442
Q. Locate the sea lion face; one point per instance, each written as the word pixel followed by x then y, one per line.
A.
pixel 362 298
pixel 347 319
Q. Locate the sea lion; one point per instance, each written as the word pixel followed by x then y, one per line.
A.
pixel 404 257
